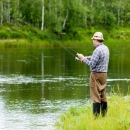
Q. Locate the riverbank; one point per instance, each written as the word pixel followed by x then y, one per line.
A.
pixel 81 118
pixel 25 43
pixel 27 36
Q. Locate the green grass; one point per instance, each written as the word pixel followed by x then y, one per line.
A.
pixel 81 118
pixel 24 43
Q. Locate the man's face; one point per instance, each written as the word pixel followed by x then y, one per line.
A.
pixel 95 42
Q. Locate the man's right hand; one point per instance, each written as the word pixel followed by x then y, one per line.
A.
pixel 80 56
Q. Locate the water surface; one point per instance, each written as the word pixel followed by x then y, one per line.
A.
pixel 37 85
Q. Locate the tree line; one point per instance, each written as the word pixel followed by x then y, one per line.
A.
pixel 65 15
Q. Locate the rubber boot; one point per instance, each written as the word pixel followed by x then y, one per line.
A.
pixel 103 108
pixel 96 109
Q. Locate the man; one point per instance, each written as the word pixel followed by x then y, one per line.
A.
pixel 98 63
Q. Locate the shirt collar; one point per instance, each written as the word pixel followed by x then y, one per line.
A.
pixel 98 45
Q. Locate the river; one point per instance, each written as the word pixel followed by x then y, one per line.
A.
pixel 38 84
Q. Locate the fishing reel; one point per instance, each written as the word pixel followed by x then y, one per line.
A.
pixel 76 58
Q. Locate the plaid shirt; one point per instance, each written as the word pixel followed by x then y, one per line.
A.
pixel 99 60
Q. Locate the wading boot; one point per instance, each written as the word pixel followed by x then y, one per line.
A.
pixel 96 109
pixel 103 108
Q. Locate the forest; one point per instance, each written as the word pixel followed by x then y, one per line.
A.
pixel 64 16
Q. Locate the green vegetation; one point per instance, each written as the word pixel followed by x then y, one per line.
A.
pixel 66 15
pixel 81 118
pixel 28 36
pixel 72 21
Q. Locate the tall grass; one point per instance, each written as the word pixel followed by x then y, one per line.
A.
pixel 81 118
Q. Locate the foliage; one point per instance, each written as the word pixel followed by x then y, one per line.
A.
pixel 66 16
pixel 81 118
pixel 32 34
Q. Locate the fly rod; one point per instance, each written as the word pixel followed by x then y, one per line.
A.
pixel 60 43
pixel 63 46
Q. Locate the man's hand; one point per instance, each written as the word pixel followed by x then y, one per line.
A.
pixel 80 56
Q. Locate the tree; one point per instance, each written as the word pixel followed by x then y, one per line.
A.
pixel 42 26
pixel 68 16
pixel 1 12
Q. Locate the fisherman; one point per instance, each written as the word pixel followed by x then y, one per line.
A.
pixel 98 63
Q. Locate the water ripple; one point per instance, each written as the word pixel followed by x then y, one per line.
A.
pixel 22 79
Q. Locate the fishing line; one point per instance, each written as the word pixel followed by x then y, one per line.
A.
pixel 60 43
pixel 56 40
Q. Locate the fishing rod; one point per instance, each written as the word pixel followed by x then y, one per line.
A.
pixel 56 40
pixel 61 44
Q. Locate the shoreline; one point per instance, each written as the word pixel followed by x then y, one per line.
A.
pixel 25 43
pixel 81 117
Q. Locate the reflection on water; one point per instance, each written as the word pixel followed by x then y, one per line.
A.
pixel 37 85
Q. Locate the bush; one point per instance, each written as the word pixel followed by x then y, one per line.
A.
pixel 4 35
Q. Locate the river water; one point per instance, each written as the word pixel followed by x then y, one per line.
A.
pixel 37 85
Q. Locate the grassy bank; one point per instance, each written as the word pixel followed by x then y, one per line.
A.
pixel 27 36
pixel 81 118
pixel 24 43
